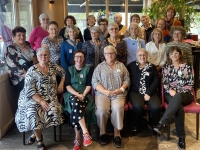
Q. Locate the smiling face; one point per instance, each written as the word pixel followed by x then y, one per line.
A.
pixel 91 21
pixel 161 24
pixel 177 36
pixel 79 59
pixel 157 36
pixel 43 57
pixel 94 35
pixel 174 56
pixel 44 21
pixel 53 30
pixel 118 20
pixel 134 30
pixel 170 14
pixel 136 20
pixel 69 22
pixel 110 55
pixel 71 33
pixel 20 38
pixel 142 57
pixel 145 21
pixel 113 31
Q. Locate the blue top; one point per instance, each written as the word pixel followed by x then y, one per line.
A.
pixel 132 47
pixel 67 52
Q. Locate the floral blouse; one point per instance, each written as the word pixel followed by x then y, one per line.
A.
pixel 179 79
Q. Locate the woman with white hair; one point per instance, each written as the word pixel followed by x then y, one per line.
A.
pixel 110 81
pixel 91 47
pixel 69 46
pixel 39 32
pixel 113 40
pixel 143 89
pixel 133 42
pixel 122 28
pixel 38 106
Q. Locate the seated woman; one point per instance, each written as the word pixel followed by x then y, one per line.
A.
pixel 19 57
pixel 178 80
pixel 38 106
pixel 110 81
pixel 143 89
pixel 78 99
pixel 91 47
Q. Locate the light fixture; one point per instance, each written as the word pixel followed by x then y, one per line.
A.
pixel 51 1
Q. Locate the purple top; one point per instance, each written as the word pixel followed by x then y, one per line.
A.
pixel 36 37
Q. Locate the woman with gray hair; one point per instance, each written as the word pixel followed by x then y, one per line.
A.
pixel 39 32
pixel 143 89
pixel 69 46
pixel 178 33
pixel 91 47
pixel 38 106
pixel 110 81
pixel 113 40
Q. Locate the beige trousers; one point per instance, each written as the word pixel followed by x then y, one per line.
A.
pixel 104 106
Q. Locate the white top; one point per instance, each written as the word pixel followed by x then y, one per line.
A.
pixel 156 56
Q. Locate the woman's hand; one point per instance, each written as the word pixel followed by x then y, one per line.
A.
pixel 117 91
pixel 81 97
pixel 109 93
pixel 172 92
pixel 60 89
pixel 44 105
pixel 146 97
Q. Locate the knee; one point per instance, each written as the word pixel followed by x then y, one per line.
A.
pixel 101 111
pixel 178 97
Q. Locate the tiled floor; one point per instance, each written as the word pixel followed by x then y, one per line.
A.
pixel 143 141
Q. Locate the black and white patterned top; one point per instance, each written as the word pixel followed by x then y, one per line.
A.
pixel 54 49
pixel 110 79
pixel 30 115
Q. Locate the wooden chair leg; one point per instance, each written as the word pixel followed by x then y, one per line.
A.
pixel 54 128
pixel 197 126
pixel 24 138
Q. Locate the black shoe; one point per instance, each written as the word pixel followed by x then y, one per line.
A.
pixel 134 132
pixel 181 144
pixel 103 139
pixel 159 129
pixel 117 141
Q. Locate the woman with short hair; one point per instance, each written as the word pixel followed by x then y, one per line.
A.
pixel 90 23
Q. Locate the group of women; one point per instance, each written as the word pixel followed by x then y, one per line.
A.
pixel 109 67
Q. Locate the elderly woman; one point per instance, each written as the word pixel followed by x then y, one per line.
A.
pixel 53 42
pixel 78 100
pixel 70 20
pixel 39 32
pixel 133 42
pixel 38 106
pixel 90 23
pixel 69 46
pixel 91 47
pixel 156 49
pixel 103 24
pixel 178 80
pixel 143 89
pixel 178 34
pixel 110 81
pixel 19 57
pixel 113 40
pixel 170 20
pixel 122 28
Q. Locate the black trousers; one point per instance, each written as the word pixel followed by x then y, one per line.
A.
pixel 175 108
pixel 138 102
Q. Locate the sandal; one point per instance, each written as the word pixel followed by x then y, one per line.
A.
pixel 40 145
pixel 31 139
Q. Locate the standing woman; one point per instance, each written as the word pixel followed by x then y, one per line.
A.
pixel 156 49
pixel 19 57
pixel 70 20
pixel 90 23
pixel 91 47
pixel 170 20
pixel 39 32
pixel 53 42
pixel 133 42
pixel 69 46
pixel 113 40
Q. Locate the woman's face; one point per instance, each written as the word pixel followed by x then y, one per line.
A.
pixel 94 35
pixel 170 14
pixel 44 21
pixel 20 38
pixel 79 59
pixel 145 21
pixel 161 24
pixel 177 36
pixel 91 21
pixel 117 20
pixel 69 22
pixel 136 20
pixel 71 33
pixel 53 30
pixel 157 36
pixel 113 31
pixel 134 30
pixel 43 57
pixel 142 57
pixel 109 55
pixel 174 56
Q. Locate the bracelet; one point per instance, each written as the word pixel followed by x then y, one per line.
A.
pixel 123 90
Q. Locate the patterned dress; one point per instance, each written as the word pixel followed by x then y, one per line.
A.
pixel 30 115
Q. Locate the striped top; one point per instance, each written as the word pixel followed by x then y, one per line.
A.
pixel 186 51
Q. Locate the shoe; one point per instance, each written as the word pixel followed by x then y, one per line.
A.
pixel 87 139
pixel 117 142
pixel 181 144
pixel 103 139
pixel 40 145
pixel 31 139
pixel 77 145
pixel 134 132
pixel 159 129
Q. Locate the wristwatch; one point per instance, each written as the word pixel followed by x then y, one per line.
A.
pixel 122 89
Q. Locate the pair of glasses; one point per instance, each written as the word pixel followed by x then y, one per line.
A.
pixel 103 24
pixel 113 29
pixel 45 19
pixel 174 53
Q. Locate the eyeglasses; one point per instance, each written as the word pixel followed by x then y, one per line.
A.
pixel 109 53
pixel 174 53
pixel 103 24
pixel 113 29
pixel 45 19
